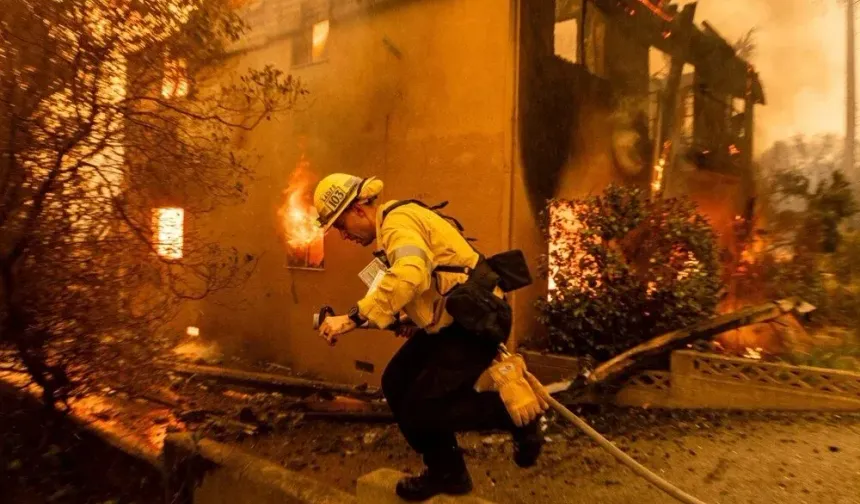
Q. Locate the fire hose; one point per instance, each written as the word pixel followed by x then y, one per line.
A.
pixel 581 424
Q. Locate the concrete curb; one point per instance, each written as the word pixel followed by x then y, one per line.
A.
pixel 204 471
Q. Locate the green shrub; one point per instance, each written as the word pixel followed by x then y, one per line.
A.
pixel 623 268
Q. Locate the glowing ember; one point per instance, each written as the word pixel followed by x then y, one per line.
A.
pixel 652 288
pixel 168 225
pixel 733 150
pixel 299 219
pixel 690 267
pixel 752 353
pixel 192 331
pixel 659 169
pixel 656 9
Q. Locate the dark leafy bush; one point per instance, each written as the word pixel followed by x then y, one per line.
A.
pixel 623 268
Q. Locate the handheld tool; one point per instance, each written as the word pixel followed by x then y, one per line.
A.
pixel 325 311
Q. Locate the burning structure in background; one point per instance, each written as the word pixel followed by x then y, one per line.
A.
pixel 298 218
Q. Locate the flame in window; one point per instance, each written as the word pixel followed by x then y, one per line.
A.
pixel 174 84
pixel 298 218
pixel 169 229
pixel 319 39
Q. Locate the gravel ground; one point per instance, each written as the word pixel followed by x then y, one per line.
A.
pixel 718 457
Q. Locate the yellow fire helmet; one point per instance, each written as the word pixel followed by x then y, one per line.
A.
pixel 337 191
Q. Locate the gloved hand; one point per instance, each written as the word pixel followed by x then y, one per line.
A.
pixel 508 378
pixel 403 327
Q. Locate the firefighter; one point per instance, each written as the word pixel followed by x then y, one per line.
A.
pixel 430 383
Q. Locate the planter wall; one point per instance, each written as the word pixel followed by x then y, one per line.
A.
pixel 700 380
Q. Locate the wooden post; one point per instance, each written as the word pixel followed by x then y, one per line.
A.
pixel 671 123
pixel 749 124
pixel 850 106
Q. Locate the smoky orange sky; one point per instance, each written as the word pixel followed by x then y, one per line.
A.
pixel 800 59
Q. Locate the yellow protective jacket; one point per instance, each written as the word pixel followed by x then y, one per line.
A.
pixel 415 240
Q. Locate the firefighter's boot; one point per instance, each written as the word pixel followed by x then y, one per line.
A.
pixel 445 473
pixel 528 442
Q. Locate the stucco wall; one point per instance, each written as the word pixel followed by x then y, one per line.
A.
pixel 433 122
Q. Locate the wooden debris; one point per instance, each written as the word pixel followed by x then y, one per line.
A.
pixel 641 356
pixel 352 416
pixel 239 396
pixel 272 381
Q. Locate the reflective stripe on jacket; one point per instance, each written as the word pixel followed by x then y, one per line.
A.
pixel 415 240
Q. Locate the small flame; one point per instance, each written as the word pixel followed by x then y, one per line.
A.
pixel 733 150
pixel 169 230
pixel 659 169
pixel 192 331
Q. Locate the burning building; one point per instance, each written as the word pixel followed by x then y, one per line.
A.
pixel 494 106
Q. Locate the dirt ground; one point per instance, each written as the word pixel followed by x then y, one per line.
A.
pixel 725 458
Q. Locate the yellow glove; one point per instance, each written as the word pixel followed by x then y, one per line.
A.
pixel 507 377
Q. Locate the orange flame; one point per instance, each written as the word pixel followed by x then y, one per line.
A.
pixel 299 217
pixel 567 249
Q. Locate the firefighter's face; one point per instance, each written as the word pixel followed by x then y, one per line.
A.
pixel 356 225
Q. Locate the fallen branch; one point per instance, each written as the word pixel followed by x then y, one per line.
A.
pixel 637 358
pixel 272 381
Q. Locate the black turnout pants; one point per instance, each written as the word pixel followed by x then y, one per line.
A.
pixel 429 385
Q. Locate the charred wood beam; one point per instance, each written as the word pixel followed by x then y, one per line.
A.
pixel 273 381
pixel 671 96
pixel 749 121
pixel 614 371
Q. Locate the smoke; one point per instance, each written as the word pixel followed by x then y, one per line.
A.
pixel 800 57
